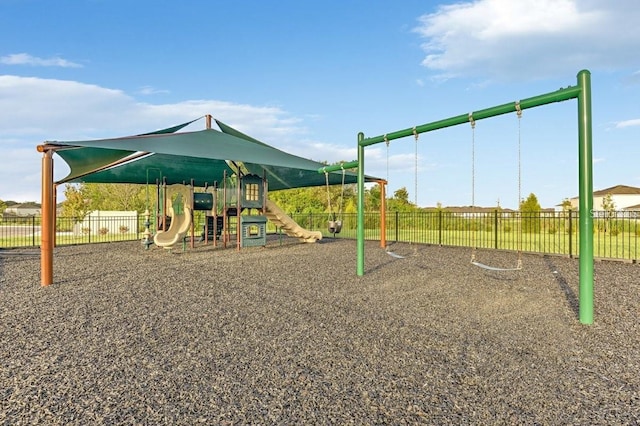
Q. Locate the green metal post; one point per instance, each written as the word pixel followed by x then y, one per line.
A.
pixel 360 226
pixel 585 191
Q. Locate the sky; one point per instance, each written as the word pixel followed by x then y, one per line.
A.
pixel 307 76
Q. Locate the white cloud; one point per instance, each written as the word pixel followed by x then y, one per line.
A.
pixel 149 90
pixel 628 123
pixel 528 39
pixel 26 59
pixel 36 109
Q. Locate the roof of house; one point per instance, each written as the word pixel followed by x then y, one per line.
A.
pixel 618 190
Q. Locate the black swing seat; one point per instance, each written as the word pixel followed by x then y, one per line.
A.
pixel 335 226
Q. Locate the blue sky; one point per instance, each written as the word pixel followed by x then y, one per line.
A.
pixel 307 76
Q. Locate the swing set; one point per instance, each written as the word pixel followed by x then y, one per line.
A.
pixel 581 92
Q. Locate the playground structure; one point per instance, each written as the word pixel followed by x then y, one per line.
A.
pixel 581 92
pixel 176 157
pixel 238 209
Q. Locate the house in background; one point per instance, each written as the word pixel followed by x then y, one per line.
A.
pixel 28 209
pixel 22 210
pixel 623 197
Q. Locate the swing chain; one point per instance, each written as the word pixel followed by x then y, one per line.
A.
pixel 326 178
pixel 519 113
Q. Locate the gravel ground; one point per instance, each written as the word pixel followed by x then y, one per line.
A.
pixel 288 334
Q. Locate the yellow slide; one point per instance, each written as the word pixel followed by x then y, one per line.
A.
pixel 276 215
pixel 180 224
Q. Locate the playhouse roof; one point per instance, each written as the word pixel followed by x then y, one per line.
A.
pixel 180 157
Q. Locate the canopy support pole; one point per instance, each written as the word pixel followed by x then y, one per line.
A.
pixel 47 226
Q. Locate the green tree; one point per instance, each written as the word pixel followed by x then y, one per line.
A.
pixel 301 200
pixel 372 197
pixel 400 201
pixel 75 204
pixel 110 196
pixel 3 207
pixel 530 214
pixel 609 207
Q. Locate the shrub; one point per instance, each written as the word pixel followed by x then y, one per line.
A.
pixel 103 231
pixel 124 229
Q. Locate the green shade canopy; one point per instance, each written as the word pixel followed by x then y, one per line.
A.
pixel 202 156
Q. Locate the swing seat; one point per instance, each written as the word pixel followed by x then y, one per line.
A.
pixel 493 268
pixel 335 226
pixel 397 256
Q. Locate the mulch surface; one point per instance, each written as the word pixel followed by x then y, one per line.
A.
pixel 289 334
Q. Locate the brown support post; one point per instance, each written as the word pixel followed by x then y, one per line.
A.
pixel 225 217
pixel 215 214
pixel 46 226
pixel 383 213
pixel 208 121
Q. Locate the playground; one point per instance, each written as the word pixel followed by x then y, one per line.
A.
pixel 287 333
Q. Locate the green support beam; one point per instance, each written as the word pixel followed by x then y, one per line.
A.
pixel 583 93
pixel 336 167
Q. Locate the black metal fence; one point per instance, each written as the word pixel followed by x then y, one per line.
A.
pixel 616 235
pixel 25 231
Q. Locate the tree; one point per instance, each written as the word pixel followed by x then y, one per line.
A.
pixel 400 201
pixel 75 204
pixel 3 207
pixel 121 196
pixel 530 214
pixel 372 198
pixel 609 207
pixel 402 195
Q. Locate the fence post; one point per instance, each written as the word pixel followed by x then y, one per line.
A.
pixel 570 234
pixel 33 231
pixel 397 223
pixel 495 228
pixel 440 227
